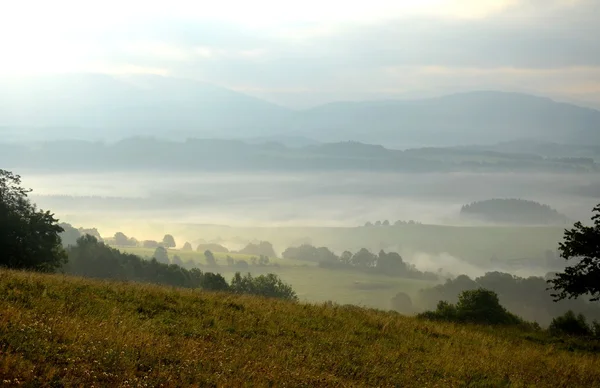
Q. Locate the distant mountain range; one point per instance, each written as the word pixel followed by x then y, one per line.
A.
pixel 103 107
pixel 143 154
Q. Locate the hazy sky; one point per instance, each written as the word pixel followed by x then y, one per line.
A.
pixel 308 52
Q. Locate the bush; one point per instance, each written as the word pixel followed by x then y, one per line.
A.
pixel 570 324
pixel 264 285
pixel 214 282
pixel 474 306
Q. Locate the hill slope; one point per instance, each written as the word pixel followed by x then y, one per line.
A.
pixel 467 118
pixel 105 107
pixel 60 330
pixel 96 106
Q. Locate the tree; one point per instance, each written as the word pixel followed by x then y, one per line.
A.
pixel 92 232
pixel 581 244
pixel 386 223
pixel 187 246
pixel 150 244
pixel 346 257
pixel 177 261
pixel 570 324
pixel 168 241
pixel 269 285
pixel 364 259
pixel 263 261
pixel 262 248
pixel 210 258
pixel 29 238
pixel 161 255
pixel 69 235
pixel 121 239
pixel 474 306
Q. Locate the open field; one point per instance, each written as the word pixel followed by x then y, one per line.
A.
pixel 57 330
pixel 312 283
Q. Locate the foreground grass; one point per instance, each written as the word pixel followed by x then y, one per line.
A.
pixel 61 330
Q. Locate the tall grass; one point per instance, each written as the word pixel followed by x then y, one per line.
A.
pixel 59 330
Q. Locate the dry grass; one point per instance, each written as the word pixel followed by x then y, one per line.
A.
pixel 57 330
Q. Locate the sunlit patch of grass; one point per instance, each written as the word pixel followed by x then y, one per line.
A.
pixel 58 330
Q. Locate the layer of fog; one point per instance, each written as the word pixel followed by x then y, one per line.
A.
pixel 448 266
pixel 326 199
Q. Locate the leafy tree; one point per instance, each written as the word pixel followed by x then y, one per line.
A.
pixel 187 246
pixel 581 244
pixel 151 244
pixel 570 324
pixel 168 241
pixel 177 260
pixel 69 235
pixel 386 223
pixel 377 223
pixel 310 253
pixel 391 263
pixel 262 248
pixel 29 238
pixel 214 282
pixel 92 232
pixel 161 255
pixel 264 285
pixel 474 306
pixel 210 258
pixel 346 257
pixel 363 259
pixel 121 239
pixel 90 258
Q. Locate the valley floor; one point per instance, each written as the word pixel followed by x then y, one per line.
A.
pixel 59 330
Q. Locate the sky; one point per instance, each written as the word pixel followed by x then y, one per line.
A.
pixel 306 53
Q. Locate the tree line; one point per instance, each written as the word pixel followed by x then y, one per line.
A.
pixel 386 263
pixel 30 239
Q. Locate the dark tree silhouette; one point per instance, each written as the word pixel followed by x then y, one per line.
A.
pixel 210 258
pixel 29 238
pixel 121 239
pixel 187 246
pixel 161 255
pixel 581 244
pixel 168 241
pixel 150 244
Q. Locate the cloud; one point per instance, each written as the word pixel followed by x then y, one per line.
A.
pixel 330 50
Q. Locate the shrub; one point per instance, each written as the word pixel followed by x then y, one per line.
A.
pixel 474 306
pixel 570 324
pixel 264 285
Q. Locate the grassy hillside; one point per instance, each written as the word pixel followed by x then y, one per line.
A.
pixel 61 330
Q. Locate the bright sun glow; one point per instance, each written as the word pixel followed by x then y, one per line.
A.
pixel 54 37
